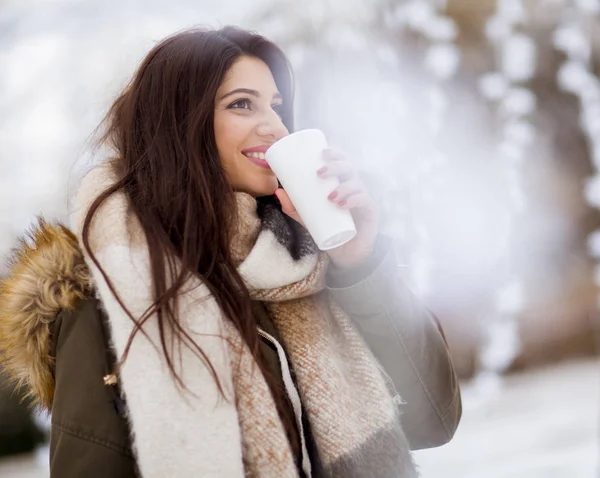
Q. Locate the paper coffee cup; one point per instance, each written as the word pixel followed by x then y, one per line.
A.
pixel 295 160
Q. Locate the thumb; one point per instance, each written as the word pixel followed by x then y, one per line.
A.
pixel 287 206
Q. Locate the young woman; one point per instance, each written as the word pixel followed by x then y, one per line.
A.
pixel 189 327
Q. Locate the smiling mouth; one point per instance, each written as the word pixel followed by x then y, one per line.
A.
pixel 258 159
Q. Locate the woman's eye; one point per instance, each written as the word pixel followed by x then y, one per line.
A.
pixel 241 104
pixel 278 109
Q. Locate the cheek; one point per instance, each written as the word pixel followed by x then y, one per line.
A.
pixel 221 134
pixel 229 135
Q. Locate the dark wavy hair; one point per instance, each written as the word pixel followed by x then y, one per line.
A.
pixel 162 129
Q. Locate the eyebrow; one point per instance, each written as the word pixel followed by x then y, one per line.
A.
pixel 248 92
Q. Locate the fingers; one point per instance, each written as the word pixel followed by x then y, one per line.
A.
pixel 287 206
pixel 286 203
pixel 336 166
pixel 352 195
pixel 351 192
pixel 340 169
pixel 333 154
pixel 345 189
pixel 357 200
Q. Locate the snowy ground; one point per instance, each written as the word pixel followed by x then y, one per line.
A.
pixel 543 424
pixel 24 466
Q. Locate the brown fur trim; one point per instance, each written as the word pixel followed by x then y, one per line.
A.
pixel 48 275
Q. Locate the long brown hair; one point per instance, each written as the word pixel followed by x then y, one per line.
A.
pixel 166 161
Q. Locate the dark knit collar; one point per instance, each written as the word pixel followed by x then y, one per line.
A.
pixel 289 233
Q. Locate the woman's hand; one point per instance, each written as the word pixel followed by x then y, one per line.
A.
pixel 352 195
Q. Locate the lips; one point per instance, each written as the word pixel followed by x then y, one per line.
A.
pixel 263 148
pixel 256 155
pixel 259 161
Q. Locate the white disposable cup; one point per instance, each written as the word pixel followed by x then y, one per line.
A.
pixel 295 160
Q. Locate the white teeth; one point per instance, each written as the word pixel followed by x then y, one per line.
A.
pixel 256 155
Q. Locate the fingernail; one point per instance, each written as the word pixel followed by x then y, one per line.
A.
pixel 332 195
pixel 323 170
pixel 342 203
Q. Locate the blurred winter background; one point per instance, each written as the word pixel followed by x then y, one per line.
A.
pixel 476 121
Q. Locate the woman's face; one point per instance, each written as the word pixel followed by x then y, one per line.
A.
pixel 247 123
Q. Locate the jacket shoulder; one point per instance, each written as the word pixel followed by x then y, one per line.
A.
pixel 47 275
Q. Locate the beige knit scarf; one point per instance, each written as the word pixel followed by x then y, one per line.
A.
pixel 348 401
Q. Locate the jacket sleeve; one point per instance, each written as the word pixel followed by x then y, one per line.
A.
pixel 408 342
pixel 89 435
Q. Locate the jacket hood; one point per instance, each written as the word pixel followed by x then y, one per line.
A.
pixel 47 274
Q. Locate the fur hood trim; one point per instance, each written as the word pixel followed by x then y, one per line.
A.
pixel 47 274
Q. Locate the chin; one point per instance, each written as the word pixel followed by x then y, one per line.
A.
pixel 262 185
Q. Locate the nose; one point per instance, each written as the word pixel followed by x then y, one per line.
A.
pixel 271 126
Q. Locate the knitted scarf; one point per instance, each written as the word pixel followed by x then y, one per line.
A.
pixel 350 405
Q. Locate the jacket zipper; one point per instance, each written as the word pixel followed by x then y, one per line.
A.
pixel 293 396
